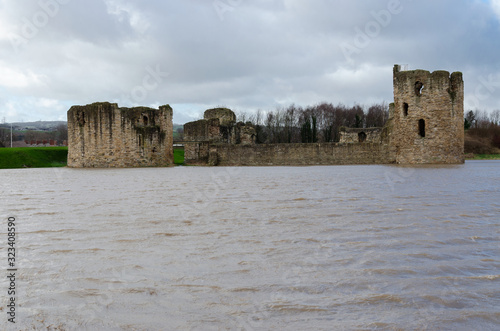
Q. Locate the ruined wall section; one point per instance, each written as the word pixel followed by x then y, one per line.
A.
pixel 218 127
pixel 225 115
pixel 226 121
pixel 298 154
pixel 244 134
pixel 360 135
pixel 428 117
pixel 104 135
pixel 198 135
pixel 203 130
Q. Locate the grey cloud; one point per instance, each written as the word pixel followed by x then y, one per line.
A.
pixel 255 54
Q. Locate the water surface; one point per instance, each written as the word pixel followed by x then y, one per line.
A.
pixel 256 248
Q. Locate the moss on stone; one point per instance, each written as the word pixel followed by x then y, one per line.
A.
pixel 453 94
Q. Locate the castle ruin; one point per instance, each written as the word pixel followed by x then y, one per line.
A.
pixel 425 126
pixel 104 135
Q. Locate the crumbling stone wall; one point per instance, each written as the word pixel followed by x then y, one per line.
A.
pixel 360 135
pixel 217 127
pixel 104 135
pixel 203 130
pixel 428 117
pixel 299 154
pixel 244 134
pixel 226 116
pixel 198 135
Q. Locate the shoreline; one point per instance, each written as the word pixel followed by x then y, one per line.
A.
pixel 48 157
pixel 482 156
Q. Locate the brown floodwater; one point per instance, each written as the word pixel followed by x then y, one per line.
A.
pixel 255 248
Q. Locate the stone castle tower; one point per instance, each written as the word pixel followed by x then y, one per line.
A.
pixel 427 117
pixel 103 135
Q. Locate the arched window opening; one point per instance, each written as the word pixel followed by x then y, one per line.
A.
pixel 405 109
pixel 145 120
pixel 419 86
pixel 421 128
pixel 361 137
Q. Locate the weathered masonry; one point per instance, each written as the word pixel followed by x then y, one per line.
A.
pixel 360 135
pixel 428 118
pixel 219 128
pixel 425 126
pixel 104 135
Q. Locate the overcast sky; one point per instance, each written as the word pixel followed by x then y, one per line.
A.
pixel 242 54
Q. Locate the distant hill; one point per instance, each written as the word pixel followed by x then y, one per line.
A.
pixel 37 126
pixel 50 125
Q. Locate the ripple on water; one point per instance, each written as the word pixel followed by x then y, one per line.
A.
pixel 261 248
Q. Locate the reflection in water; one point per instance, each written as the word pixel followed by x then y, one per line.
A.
pixel 345 247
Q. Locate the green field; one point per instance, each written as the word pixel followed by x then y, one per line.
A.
pixel 178 156
pixel 42 157
pixel 33 157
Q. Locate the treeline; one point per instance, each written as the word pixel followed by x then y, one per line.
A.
pixel 319 123
pixel 482 132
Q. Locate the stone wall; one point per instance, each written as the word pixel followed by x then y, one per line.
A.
pixel 203 130
pixel 196 152
pixel 298 154
pixel 104 135
pixel 428 117
pixel 198 135
pixel 360 135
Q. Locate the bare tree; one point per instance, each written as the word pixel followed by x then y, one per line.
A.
pixel 324 114
pixel 482 120
pixel 180 134
pixel 377 115
pixel 320 122
pixel 241 116
pixel 495 117
pixel 61 132
pixel 354 117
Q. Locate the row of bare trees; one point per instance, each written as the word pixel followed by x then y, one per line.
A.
pixel 60 133
pixel 319 123
pixel 480 119
pixel 482 131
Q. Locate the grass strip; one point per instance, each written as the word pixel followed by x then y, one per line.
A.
pixel 33 157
